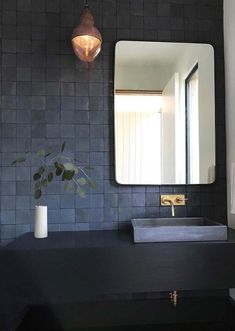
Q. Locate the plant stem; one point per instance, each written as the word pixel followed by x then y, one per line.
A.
pixel 83 172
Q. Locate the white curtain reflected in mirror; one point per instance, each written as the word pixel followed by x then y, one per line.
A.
pixel 138 121
pixel 164 113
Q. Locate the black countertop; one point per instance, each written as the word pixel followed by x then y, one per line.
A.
pixel 99 239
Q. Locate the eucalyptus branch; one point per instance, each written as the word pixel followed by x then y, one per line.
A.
pixel 55 166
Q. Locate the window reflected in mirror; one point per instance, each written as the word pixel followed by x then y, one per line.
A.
pixel 192 127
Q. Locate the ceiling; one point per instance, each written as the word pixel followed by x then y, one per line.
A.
pixel 148 52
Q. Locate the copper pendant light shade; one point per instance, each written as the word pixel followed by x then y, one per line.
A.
pixel 86 38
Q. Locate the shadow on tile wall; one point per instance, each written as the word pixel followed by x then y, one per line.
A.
pixel 48 96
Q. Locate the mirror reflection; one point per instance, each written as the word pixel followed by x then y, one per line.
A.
pixel 164 113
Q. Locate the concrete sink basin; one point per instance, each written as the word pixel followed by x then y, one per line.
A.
pixel 177 229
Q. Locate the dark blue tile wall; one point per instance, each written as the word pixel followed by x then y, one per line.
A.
pixel 48 96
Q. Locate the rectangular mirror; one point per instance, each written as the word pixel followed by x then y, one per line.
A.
pixel 164 113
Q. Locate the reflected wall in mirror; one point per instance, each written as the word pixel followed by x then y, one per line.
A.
pixel 164 113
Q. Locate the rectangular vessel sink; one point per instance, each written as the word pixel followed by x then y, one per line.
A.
pixel 177 229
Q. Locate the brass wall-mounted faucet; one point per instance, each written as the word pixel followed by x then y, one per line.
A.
pixel 173 200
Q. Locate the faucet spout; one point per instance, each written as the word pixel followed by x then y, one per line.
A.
pixel 168 202
pixel 172 209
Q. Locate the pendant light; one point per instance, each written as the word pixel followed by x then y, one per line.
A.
pixel 86 38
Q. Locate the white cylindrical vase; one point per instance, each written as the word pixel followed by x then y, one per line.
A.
pixel 40 226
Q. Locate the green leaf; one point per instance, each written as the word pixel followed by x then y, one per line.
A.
pixel 36 176
pixel 81 192
pixel 58 171
pixel 41 152
pixel 37 185
pixel 81 181
pixel 68 186
pixel 56 164
pixel 68 174
pixel 59 168
pixel 50 177
pixel 62 147
pixel 45 182
pixel 41 170
pixel 19 160
pixel 69 166
pixel 37 194
pixel 91 183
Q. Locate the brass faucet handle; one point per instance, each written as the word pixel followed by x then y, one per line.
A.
pixel 165 200
pixel 180 199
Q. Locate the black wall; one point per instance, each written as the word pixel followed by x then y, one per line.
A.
pixel 48 96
